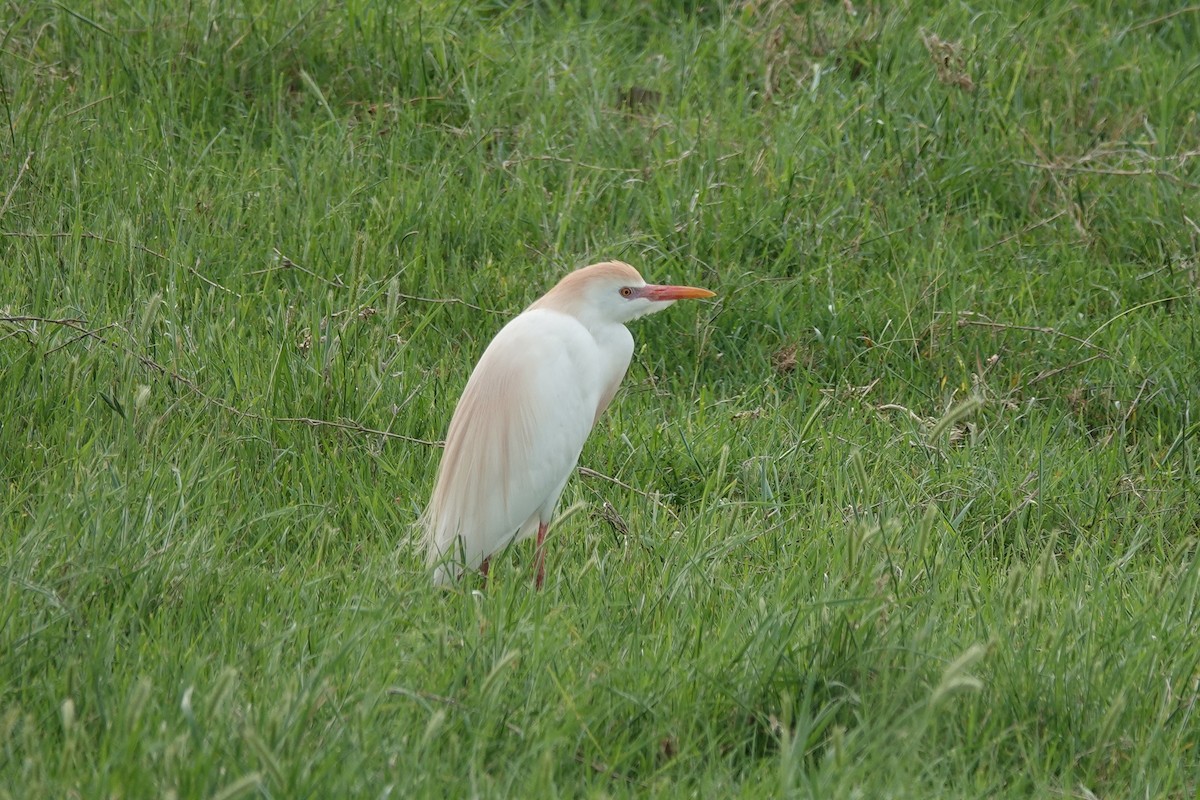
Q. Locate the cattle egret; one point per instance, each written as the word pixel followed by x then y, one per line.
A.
pixel 528 407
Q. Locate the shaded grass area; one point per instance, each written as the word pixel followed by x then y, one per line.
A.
pixel 914 507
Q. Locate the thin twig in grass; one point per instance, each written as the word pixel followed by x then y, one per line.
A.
pixel 1155 21
pixel 310 421
pixel 287 263
pixel 69 322
pixel 150 363
pixel 670 162
pixel 588 472
pixel 967 318
pixel 1128 311
pixel 85 20
pixel 17 331
pixel 1044 374
pixel 1076 165
pixel 146 361
pixel 348 426
pixel 512 162
pixel 210 282
pixel 16 182
pixel 1023 231
pixel 95 237
pixel 435 300
pixel 86 334
pixel 449 301
pixel 1117 172
pixel 86 106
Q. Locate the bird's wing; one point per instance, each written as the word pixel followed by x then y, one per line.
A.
pixel 515 436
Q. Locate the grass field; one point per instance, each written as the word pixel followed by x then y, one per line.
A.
pixel 910 510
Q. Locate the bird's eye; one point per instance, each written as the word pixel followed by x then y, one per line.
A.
pixel 627 292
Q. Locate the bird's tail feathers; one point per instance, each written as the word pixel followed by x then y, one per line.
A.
pixel 443 553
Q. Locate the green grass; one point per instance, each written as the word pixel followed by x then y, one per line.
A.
pixel 917 503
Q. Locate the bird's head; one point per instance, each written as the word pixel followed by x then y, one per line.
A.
pixel 613 292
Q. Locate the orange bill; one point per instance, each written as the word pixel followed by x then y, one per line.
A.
pixel 659 293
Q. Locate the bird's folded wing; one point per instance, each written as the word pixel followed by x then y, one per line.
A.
pixel 516 434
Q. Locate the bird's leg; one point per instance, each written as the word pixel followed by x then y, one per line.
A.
pixel 483 569
pixel 540 557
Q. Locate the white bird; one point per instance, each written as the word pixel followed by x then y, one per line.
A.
pixel 528 407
